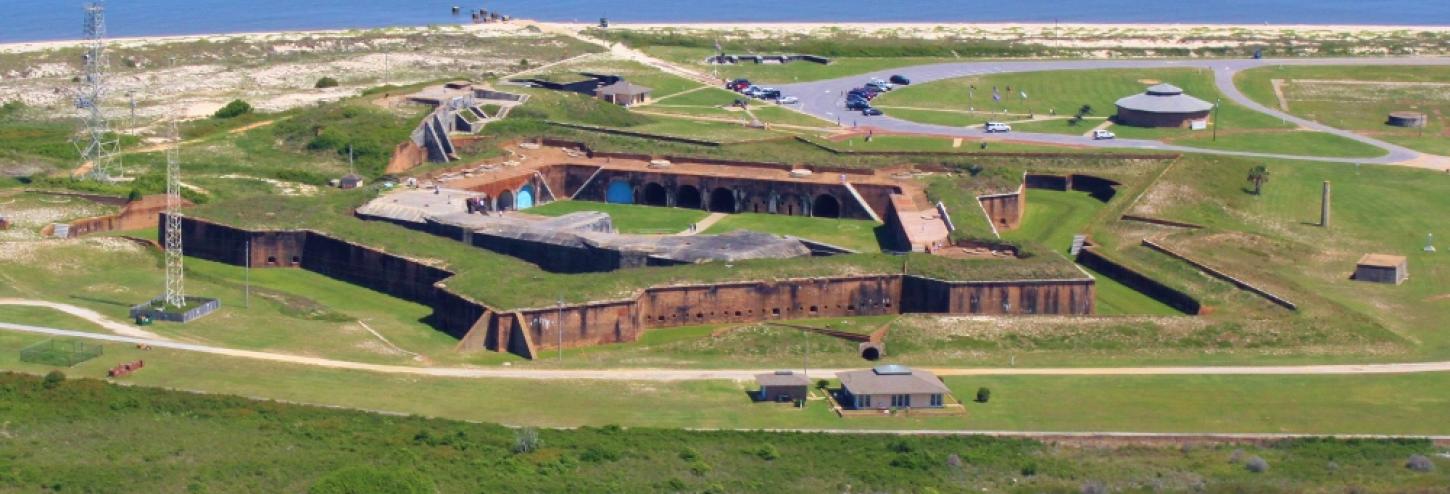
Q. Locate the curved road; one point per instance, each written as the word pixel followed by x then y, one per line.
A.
pixel 825 99
pixel 730 374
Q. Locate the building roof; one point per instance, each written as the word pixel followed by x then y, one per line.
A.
pixel 1164 98
pixel 1382 260
pixel 623 88
pixel 891 379
pixel 782 378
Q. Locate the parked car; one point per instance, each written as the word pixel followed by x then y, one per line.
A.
pixel 750 91
pixel 857 104
pixel 900 80
pixel 788 100
pixel 864 93
pixel 768 93
pixel 871 111
pixel 879 85
pixel 738 85
pixel 995 127
pixel 1101 134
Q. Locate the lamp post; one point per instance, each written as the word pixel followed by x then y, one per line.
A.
pixel 1216 122
pixel 559 326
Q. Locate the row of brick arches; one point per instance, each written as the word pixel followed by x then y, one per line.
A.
pixel 719 199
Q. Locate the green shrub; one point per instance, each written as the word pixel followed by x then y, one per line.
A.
pixel 983 394
pixel 767 452
pixel 1257 465
pixel 369 480
pixel 699 468
pixel 822 384
pixel 325 82
pixel 134 195
pixel 234 109
pixel 53 379
pixel 689 454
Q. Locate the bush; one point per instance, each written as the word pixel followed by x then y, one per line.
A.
pixel 325 82
pixel 1029 470
pixel 1257 465
pixel 134 195
pixel 983 394
pixel 368 480
pixel 53 379
pixel 526 440
pixel 689 454
pixel 1420 463
pixel 900 446
pixel 699 468
pixel 234 109
pixel 822 384
pixel 767 452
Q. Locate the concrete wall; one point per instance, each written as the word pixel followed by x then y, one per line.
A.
pixel 135 215
pixel 1005 210
pixel 1149 119
pixel 527 331
pixel 750 195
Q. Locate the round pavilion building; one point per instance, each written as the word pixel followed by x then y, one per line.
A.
pixel 1162 105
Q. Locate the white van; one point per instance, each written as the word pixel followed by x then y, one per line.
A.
pixel 994 127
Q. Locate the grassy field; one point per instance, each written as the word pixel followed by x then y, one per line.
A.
pixel 629 218
pixel 1339 97
pixel 1308 404
pixel 1273 238
pixel 858 235
pixel 954 102
pixel 195 443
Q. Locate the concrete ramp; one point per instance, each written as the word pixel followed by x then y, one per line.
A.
pixel 862 201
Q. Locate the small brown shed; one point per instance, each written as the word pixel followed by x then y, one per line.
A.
pixel 1382 268
pixel 350 181
pixel 623 93
pixel 782 386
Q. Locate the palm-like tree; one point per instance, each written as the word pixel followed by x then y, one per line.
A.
pixel 1259 175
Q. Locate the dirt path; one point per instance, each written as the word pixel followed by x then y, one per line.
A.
pixel 87 314
pixel 726 374
pixel 703 225
pixel 1279 93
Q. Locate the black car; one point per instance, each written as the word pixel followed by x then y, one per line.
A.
pixel 857 104
pixel 870 111
pixel 863 93
pixel 900 79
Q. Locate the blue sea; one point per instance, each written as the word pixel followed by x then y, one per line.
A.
pixel 33 20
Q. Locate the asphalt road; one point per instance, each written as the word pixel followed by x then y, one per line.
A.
pixel 825 99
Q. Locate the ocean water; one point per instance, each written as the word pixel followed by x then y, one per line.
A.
pixel 32 20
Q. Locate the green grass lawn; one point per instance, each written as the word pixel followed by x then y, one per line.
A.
pixel 629 218
pixel 774 114
pixel 1066 91
pixel 1273 239
pixel 710 131
pixel 1115 299
pixel 1338 404
pixel 1327 94
pixel 195 443
pixel 858 235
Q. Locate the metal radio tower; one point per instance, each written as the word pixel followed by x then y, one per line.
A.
pixel 99 146
pixel 175 289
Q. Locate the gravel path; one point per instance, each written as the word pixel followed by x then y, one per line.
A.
pixel 87 314
pixel 824 99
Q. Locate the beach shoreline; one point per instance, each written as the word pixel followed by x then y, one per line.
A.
pixel 785 27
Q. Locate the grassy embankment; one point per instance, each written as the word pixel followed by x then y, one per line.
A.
pixel 954 102
pixel 858 235
pixel 629 218
pixel 193 443
pixel 1339 97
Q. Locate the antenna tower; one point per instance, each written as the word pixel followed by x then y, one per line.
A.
pixel 99 147
pixel 175 289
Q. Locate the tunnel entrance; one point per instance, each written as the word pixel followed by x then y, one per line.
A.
pixel 826 206
pixel 505 201
pixel 526 197
pixel 619 192
pixel 654 195
pixel 688 197
pixel 871 353
pixel 722 200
